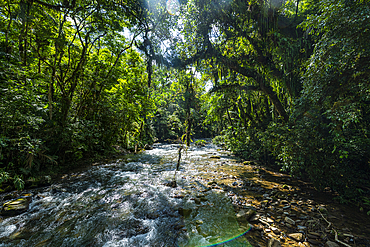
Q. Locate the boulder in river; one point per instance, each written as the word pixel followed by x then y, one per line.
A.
pixel 16 206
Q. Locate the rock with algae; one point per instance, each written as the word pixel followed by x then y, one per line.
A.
pixel 15 206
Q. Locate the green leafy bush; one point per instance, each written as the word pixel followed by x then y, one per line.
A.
pixel 200 143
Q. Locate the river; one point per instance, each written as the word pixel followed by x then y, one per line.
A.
pixel 127 202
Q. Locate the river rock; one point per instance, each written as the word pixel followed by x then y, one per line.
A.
pixel 15 207
pixel 284 202
pixel 273 243
pixel 254 218
pixel 240 214
pixel 315 234
pixel 275 230
pixel 314 242
pixel 331 244
pixel 301 227
pixel 171 184
pixel 250 212
pixel 258 227
pixel 198 222
pixel 289 221
pixel 310 236
pixel 296 236
pixel 178 196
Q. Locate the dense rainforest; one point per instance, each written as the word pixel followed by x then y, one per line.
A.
pixel 283 82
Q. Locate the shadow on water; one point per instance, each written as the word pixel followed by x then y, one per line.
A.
pixel 124 203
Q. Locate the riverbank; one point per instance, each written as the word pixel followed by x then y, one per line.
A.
pixel 289 210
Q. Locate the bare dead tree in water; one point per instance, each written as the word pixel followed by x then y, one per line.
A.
pixel 178 162
pixel 173 183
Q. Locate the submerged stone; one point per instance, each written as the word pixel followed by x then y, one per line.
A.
pixel 185 212
pixel 171 184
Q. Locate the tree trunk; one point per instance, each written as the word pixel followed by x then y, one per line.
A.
pixel 188 130
pixel 50 99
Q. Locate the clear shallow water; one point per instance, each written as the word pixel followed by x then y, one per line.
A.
pixel 124 203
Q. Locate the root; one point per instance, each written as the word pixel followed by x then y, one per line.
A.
pixel 337 240
pixel 336 233
pixel 325 220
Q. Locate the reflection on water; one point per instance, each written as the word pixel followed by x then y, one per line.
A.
pixel 124 203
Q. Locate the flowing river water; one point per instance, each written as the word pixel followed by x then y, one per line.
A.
pixel 128 202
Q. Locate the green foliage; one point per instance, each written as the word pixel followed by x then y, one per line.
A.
pixel 218 140
pixel 200 143
pixel 71 84
pixel 18 182
pixel 178 101
pixel 327 137
pixel 4 176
